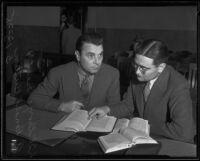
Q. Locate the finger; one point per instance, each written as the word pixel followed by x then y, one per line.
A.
pixel 92 113
pixel 78 103
pixel 99 116
pixel 78 106
pixel 82 107
pixel 75 107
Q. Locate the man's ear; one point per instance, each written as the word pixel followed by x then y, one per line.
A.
pixel 77 55
pixel 161 67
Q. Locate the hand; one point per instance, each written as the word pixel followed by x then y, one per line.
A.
pixel 70 106
pixel 99 112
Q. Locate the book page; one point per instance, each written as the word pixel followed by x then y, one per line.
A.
pixel 132 134
pixel 139 124
pixel 76 121
pixel 113 142
pixel 148 140
pixel 104 124
pixel 120 124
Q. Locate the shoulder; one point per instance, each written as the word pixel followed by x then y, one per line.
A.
pixel 59 70
pixel 176 78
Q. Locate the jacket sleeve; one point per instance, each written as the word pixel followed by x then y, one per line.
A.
pixel 42 96
pixel 113 95
pixel 125 108
pixel 181 123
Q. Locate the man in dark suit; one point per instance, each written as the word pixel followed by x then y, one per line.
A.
pixel 86 84
pixel 160 96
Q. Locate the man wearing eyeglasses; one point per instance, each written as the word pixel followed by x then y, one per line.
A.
pixel 160 96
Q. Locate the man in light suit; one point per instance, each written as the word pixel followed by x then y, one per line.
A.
pixel 99 81
pixel 168 106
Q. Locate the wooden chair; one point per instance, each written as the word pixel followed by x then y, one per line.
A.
pixel 124 67
pixel 192 76
pixel 192 80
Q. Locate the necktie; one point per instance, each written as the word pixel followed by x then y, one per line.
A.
pixel 146 91
pixel 85 86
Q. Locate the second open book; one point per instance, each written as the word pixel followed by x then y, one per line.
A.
pixel 126 133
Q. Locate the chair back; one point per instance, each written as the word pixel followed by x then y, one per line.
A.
pixel 123 64
pixel 192 76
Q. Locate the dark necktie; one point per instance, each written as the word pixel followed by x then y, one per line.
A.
pixel 85 87
pixel 146 91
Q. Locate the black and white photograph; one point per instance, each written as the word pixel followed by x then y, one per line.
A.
pixel 100 80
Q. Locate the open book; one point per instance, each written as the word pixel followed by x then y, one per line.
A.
pixel 78 121
pixel 126 133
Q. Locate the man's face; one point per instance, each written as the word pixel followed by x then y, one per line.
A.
pixel 145 69
pixel 90 58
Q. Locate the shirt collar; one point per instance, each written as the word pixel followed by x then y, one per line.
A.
pixel 81 72
pixel 152 82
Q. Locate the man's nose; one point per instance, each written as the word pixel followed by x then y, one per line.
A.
pixel 137 70
pixel 97 60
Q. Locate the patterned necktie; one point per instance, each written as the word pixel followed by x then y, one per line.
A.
pixel 85 87
pixel 146 91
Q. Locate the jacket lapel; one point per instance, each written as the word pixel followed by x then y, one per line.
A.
pixel 139 98
pixel 77 86
pixel 157 92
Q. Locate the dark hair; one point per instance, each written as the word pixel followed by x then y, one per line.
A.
pixel 93 38
pixel 153 49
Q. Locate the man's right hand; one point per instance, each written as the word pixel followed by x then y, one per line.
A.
pixel 70 106
pixel 99 112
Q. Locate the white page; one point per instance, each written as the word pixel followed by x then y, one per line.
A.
pixel 139 124
pixel 147 140
pixel 132 134
pixel 79 116
pixel 120 124
pixel 104 124
pixel 77 120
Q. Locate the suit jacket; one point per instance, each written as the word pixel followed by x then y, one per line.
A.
pixel 168 108
pixel 64 80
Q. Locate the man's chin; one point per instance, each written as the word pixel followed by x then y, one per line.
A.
pixel 140 79
pixel 94 71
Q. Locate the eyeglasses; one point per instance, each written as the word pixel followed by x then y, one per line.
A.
pixel 142 69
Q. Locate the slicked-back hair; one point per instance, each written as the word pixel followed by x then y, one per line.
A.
pixel 93 38
pixel 154 49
